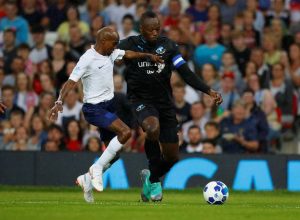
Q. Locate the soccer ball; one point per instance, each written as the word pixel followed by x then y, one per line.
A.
pixel 215 193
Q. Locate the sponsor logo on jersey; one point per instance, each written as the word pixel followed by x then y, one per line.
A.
pixel 159 66
pixel 160 50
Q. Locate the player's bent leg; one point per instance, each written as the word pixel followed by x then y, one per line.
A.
pixel 151 127
pixel 114 146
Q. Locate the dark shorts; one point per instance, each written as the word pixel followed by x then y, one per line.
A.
pixel 166 115
pixel 102 116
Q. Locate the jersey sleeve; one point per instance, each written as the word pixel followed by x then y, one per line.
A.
pixel 80 68
pixel 176 56
pixel 124 44
pixel 117 54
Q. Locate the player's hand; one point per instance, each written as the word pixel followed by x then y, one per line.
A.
pixel 216 97
pixel 2 108
pixel 58 107
pixel 239 139
pixel 156 59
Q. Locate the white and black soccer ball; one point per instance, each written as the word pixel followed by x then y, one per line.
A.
pixel 215 193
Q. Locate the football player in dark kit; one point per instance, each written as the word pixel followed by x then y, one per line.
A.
pixel 150 94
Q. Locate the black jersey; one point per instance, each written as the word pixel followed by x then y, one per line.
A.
pixel 148 81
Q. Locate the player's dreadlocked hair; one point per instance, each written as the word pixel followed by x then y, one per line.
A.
pixel 146 15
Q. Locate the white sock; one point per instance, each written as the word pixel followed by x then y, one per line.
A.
pixel 110 152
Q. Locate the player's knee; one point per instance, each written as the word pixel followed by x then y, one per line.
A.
pixel 125 135
pixel 152 133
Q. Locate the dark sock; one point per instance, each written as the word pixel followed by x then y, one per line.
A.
pixel 153 154
pixel 165 166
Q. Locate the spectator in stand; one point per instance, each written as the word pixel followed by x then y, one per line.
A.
pixel 21 141
pixel 73 136
pixel 182 108
pixel 240 50
pixel 282 91
pixel 198 10
pixel 252 36
pixel 294 67
pixel 17 66
pixel 93 145
pixel 55 15
pixel 228 91
pixel 25 98
pixel 56 135
pixel 8 100
pixel 194 144
pixel 210 76
pixel 173 18
pixel 230 8
pixel 2 9
pixel 7 136
pixel 210 52
pixel 212 131
pixel 141 8
pixel 272 53
pixel 239 135
pixel 127 27
pixel 40 51
pixel 30 12
pixel 59 63
pixel 210 147
pixel 47 83
pixel 73 19
pixel 72 109
pixel 9 48
pixel 198 119
pixel 38 135
pixel 23 52
pixel 117 14
pixel 278 11
pixel 189 33
pixel 213 22
pixel 254 113
pixel 97 24
pixel 16 118
pixel 229 65
pixel 263 71
pixel 259 23
pixel 77 42
pixel 92 10
pixel 225 35
pixel 13 21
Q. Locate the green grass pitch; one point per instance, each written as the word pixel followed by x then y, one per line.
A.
pixel 33 203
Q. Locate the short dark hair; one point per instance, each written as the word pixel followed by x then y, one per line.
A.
pixel 147 15
pixel 212 124
pixel 128 16
pixel 10 30
pixel 23 46
pixel 7 87
pixel 209 141
pixel 194 127
pixel 55 127
pixel 36 29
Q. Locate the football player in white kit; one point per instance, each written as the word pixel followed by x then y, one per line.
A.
pixel 95 69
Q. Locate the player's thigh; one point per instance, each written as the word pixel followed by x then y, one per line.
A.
pixel 146 115
pixel 98 115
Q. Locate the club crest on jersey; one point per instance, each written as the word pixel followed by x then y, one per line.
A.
pixel 160 50
pixel 140 107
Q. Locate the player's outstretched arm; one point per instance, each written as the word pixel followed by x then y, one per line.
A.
pixel 194 81
pixel 2 107
pixel 135 55
pixel 58 106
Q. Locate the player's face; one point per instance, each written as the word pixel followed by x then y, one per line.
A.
pixel 150 29
pixel 109 45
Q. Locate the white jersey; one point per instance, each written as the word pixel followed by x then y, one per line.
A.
pixel 96 74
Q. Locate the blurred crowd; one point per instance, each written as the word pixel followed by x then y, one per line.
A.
pixel 249 50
